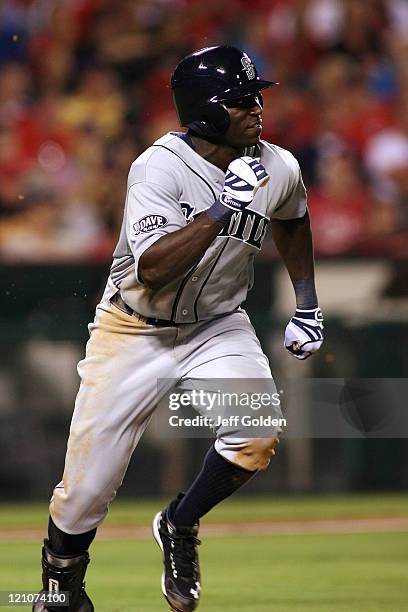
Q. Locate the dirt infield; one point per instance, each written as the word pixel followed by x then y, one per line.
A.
pixel 336 526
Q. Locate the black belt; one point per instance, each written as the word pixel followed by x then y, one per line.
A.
pixel 117 301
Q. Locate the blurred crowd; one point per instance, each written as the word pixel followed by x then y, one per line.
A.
pixel 84 88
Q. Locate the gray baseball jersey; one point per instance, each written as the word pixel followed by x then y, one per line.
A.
pixel 168 185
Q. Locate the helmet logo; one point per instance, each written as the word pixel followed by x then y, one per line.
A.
pixel 248 66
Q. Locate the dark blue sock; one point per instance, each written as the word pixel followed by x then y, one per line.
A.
pixel 217 480
pixel 66 544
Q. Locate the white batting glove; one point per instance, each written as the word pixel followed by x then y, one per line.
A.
pixel 304 333
pixel 243 178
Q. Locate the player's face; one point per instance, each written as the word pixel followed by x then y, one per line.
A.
pixel 245 125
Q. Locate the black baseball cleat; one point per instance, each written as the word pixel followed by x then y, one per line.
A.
pixel 61 573
pixel 181 576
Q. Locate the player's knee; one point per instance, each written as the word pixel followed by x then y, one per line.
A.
pixel 257 453
pixel 81 509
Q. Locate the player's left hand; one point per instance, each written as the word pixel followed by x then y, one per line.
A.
pixel 304 333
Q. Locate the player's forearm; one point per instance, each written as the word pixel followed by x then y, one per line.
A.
pixel 293 239
pixel 174 254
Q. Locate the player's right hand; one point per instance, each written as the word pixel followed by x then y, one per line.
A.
pixel 243 178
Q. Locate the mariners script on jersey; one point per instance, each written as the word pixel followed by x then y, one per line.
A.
pixel 168 185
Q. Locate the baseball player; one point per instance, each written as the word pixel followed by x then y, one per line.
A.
pixel 197 208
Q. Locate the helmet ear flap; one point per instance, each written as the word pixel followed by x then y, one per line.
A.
pixel 218 116
pixel 214 121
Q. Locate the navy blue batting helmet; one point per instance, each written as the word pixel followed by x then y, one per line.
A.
pixel 205 79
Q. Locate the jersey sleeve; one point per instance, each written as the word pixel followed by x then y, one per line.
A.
pixel 294 205
pixel 152 210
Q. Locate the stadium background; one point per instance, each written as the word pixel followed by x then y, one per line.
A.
pixel 83 90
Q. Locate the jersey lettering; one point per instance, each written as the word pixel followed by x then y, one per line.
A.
pixel 248 226
pixel 188 211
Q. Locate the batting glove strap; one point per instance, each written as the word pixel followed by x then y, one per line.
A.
pixel 243 178
pixel 219 212
pixel 304 333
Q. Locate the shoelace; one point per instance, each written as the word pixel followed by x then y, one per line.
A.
pixel 184 553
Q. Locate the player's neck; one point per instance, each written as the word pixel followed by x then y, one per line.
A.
pixel 219 155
